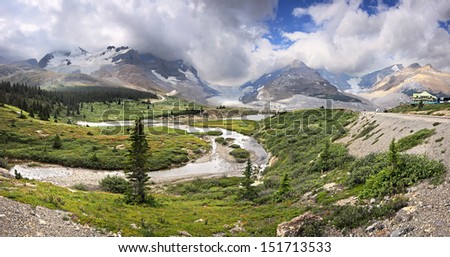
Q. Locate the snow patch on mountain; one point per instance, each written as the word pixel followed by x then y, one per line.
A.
pixel 190 76
pixel 81 61
pixel 354 86
pixel 172 80
pixel 396 67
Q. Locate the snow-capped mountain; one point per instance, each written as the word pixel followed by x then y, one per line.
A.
pixel 294 86
pixel 113 67
pixel 399 85
pixel 81 61
pixel 373 78
pixel 298 86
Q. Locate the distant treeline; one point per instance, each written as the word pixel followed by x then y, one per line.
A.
pixel 45 103
pixel 78 95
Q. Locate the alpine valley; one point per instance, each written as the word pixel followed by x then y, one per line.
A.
pixel 292 87
pixel 294 152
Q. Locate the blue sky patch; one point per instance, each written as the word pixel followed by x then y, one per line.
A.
pixel 444 25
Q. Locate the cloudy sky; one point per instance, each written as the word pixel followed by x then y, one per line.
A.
pixel 234 41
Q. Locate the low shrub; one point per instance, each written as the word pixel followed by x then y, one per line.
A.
pixel 439 140
pixel 3 163
pixel 410 170
pixel 221 140
pixel 114 184
pixel 415 139
pixel 311 228
pixel 361 169
pixel 214 133
pixel 332 156
pixel 240 153
pixel 81 187
pixel 352 216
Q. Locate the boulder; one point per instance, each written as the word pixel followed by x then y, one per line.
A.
pixel 375 226
pixel 184 234
pixel 401 231
pixel 294 227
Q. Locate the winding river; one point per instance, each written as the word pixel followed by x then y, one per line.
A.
pixel 216 163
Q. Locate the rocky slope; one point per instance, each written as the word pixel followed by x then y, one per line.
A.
pixel 23 220
pixel 428 213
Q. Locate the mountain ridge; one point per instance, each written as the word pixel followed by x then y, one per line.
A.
pixel 124 66
pixel 110 67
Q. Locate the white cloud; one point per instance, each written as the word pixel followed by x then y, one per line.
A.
pixel 298 12
pixel 218 37
pixel 350 40
pixel 227 40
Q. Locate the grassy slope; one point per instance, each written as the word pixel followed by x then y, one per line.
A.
pixel 216 206
pixel 32 139
pixel 130 110
pixel 246 127
pixel 427 109
pixel 295 139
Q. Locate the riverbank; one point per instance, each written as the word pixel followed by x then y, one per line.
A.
pixel 216 163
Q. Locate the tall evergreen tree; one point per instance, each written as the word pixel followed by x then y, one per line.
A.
pixel 249 192
pixel 325 157
pixel 57 144
pixel 393 154
pixel 137 167
pixel 31 113
pixel 284 188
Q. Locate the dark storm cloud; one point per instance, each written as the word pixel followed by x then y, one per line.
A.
pixel 215 36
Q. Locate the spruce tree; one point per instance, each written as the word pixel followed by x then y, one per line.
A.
pixel 57 142
pixel 249 192
pixel 393 154
pixel 284 188
pixel 325 157
pixel 136 168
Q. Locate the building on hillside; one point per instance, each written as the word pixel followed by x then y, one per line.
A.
pixel 424 97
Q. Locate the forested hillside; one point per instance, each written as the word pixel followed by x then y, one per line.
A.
pixel 46 104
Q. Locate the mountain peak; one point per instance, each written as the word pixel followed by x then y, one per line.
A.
pixel 396 67
pixel 414 66
pixel 297 64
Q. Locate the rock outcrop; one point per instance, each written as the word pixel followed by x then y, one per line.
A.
pixel 295 227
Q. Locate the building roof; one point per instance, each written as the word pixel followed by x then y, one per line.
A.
pixel 423 94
